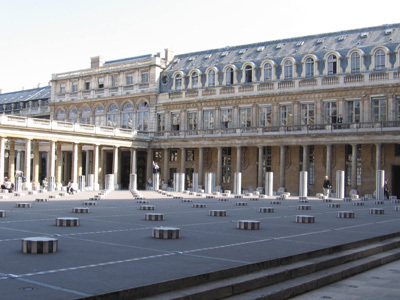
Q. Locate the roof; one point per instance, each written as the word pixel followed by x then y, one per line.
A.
pixel 26 95
pixel 122 60
pixel 292 47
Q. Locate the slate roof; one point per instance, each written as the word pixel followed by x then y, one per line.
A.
pixel 26 95
pixel 277 50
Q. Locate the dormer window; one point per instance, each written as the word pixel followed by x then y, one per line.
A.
pixel 211 78
pixel 241 51
pixel 342 37
pixel 248 74
pixel 229 76
pixel 225 53
pixel 332 64
pixel 380 63
pixel 267 72
pixel 195 80
pixel 288 67
pixel 299 43
pixel 309 67
pixel 355 61
pixel 364 34
pixel 178 82
pixel 261 48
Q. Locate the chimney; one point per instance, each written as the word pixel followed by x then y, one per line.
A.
pixel 96 62
pixel 169 56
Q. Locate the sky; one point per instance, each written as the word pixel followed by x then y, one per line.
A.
pixel 39 38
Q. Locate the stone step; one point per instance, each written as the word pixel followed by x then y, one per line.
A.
pixel 284 276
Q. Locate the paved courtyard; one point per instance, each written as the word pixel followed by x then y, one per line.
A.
pixel 113 248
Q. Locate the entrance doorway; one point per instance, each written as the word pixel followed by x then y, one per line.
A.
pixel 125 169
pixel 395 188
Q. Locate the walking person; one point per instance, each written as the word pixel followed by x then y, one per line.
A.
pixel 327 186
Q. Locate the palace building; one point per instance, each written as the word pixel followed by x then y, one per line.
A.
pixel 323 103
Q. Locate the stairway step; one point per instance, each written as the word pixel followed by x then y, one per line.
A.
pixel 229 287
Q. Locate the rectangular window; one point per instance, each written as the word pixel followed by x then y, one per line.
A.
pixel 74 86
pixel 189 155
pixel 307 113
pixel 265 116
pixel 286 115
pixel 353 111
pixel 192 120
pixel 173 155
pixel 349 159
pixel 397 108
pixel 397 150
pixel 129 79
pixel 87 85
pixel 378 109
pixel 175 121
pixel 145 77
pixel 62 88
pixel 226 118
pixel 160 122
pixel 226 164
pixel 245 117
pixel 114 80
pixel 311 169
pixel 208 119
pixel 101 82
pixel 330 112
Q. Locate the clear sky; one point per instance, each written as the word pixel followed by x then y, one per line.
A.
pixel 42 37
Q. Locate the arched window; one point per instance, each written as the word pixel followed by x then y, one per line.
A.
pixel 99 116
pixel 112 116
pixel 60 115
pixel 127 115
pixel 178 82
pixel 309 67
pixel 267 72
pixel 288 69
pixel 85 115
pixel 211 78
pixel 355 61
pixel 195 80
pixel 73 115
pixel 332 64
pixel 248 74
pixel 143 116
pixel 380 63
pixel 229 76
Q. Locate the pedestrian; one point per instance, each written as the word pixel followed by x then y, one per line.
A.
pixel 327 186
pixel 149 183
pixel 386 189
pixel 70 189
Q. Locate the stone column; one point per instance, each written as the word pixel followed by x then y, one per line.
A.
pixel 195 182
pixel 329 161
pixel 354 167
pixel 156 181
pixel 201 166
pixel 74 175
pixel 378 156
pixel 51 184
pixel 165 169
pixel 36 158
pixel 96 167
pixel 101 179
pixel 18 161
pixel 237 189
pixel 110 183
pixel 11 161
pixel 260 166
pixel 81 183
pixel 87 164
pixel 219 167
pixel 2 156
pixel 238 159
pixel 27 170
pixel 282 166
pixel 90 182
pixel 269 183
pixel 305 157
pixel 340 184
pixel 133 181
pixel 80 167
pixel 133 160
pixel 303 188
pixel 380 183
pixel 58 166
pixel 183 160
pixel 115 167
pixel 51 156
